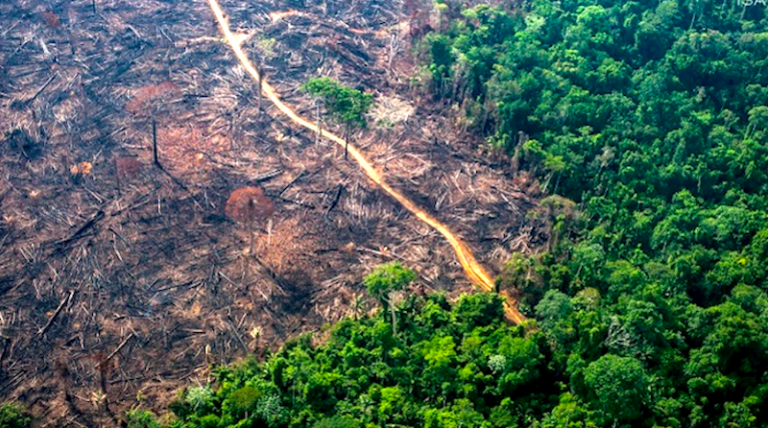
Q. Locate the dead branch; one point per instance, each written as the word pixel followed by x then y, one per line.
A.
pixel 268 176
pixel 48 325
pixel 236 333
pixel 81 231
pixel 119 347
pixel 336 200
pixel 287 186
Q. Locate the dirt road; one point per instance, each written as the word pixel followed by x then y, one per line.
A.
pixel 476 272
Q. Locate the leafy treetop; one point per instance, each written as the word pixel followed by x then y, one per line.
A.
pixel 346 105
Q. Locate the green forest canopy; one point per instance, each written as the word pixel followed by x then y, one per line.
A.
pixel 462 365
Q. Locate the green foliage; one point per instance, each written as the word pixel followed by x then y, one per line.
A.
pixel 363 376
pixel 13 416
pixel 619 385
pixel 199 397
pixel 646 122
pixel 346 105
pixel 338 421
pixel 242 402
pixel 271 410
pixel 387 278
pixel 585 368
pixel 139 418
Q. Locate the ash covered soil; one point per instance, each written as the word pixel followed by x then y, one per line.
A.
pixel 120 279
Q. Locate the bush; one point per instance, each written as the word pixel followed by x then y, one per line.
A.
pixel 138 418
pixel 14 416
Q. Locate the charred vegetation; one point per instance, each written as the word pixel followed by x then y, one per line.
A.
pixel 121 277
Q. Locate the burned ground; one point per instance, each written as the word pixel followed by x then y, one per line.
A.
pixel 117 279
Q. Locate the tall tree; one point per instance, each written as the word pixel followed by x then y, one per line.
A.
pixel 384 281
pixel 346 105
pixel 619 386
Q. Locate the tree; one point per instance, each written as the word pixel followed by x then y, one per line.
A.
pixel 460 415
pixel 619 386
pixel 337 421
pixel 139 418
pixel 241 403
pixel 439 353
pixel 478 310
pixel 199 398
pixel 346 105
pixel 249 207
pixel 13 416
pixel 521 364
pixel 561 214
pixel 552 308
pixel 148 103
pixel 568 413
pixel 384 281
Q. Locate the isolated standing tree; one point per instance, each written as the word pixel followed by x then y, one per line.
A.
pixel 384 281
pixel 346 105
pixel 265 49
pixel 249 207
pixel 148 103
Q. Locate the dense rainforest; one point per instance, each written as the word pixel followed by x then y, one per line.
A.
pixel 646 125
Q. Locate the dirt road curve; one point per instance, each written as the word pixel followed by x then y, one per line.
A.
pixel 476 273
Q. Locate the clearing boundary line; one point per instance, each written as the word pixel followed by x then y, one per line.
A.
pixel 474 270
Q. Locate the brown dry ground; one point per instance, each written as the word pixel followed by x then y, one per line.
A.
pixel 155 266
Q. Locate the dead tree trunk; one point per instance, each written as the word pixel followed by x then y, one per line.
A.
pixel 394 320
pixel 251 231
pixel 319 132
pixel 68 30
pixel 346 141
pixel 258 90
pixel 117 178
pixel 522 138
pixel 154 143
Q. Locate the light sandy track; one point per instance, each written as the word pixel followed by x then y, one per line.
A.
pixel 474 270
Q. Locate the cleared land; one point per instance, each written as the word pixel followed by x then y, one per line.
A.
pixel 117 276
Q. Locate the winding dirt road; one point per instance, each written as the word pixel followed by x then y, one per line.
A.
pixel 474 270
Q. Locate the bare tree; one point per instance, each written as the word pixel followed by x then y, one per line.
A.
pixel 249 207
pixel 149 102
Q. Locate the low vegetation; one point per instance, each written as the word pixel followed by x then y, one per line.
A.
pixel 14 416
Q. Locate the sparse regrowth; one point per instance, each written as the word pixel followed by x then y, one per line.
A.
pixel 389 111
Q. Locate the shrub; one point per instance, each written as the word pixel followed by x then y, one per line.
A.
pixel 14 416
